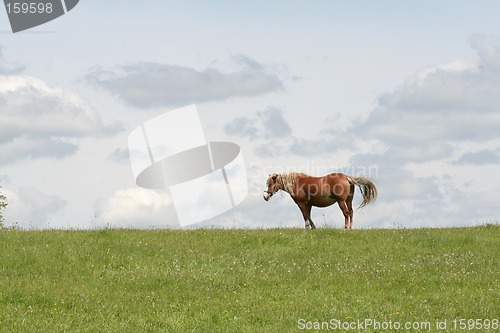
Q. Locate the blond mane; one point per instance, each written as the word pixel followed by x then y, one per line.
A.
pixel 287 181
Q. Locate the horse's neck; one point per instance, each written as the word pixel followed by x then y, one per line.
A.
pixel 288 182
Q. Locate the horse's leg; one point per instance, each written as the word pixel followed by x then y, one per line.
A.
pixel 349 207
pixel 306 213
pixel 313 226
pixel 345 211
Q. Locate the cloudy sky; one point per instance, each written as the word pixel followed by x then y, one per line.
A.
pixel 404 92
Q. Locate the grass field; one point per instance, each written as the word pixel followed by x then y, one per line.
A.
pixel 278 280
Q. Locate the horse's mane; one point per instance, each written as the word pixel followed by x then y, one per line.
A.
pixel 287 181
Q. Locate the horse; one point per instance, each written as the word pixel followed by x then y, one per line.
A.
pixel 307 191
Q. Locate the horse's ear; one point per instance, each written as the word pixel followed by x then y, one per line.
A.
pixel 274 176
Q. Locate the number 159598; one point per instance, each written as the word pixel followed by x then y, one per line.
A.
pixel 31 7
pixel 476 324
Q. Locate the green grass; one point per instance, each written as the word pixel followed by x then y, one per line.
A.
pixel 244 280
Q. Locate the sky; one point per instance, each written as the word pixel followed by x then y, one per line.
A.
pixel 403 92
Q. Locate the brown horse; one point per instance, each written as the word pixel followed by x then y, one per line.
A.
pixel 307 191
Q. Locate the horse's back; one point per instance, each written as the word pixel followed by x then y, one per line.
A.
pixel 332 179
pixel 333 175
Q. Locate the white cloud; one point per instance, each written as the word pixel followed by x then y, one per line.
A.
pixel 267 124
pixel 31 208
pixel 136 208
pixel 147 84
pixel 36 120
pixel 436 110
pixel 457 101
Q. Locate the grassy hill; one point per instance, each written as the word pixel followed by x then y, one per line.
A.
pixel 278 280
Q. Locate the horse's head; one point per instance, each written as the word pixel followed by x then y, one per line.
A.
pixel 273 186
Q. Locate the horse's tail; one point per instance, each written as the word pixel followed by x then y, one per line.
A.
pixel 367 187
